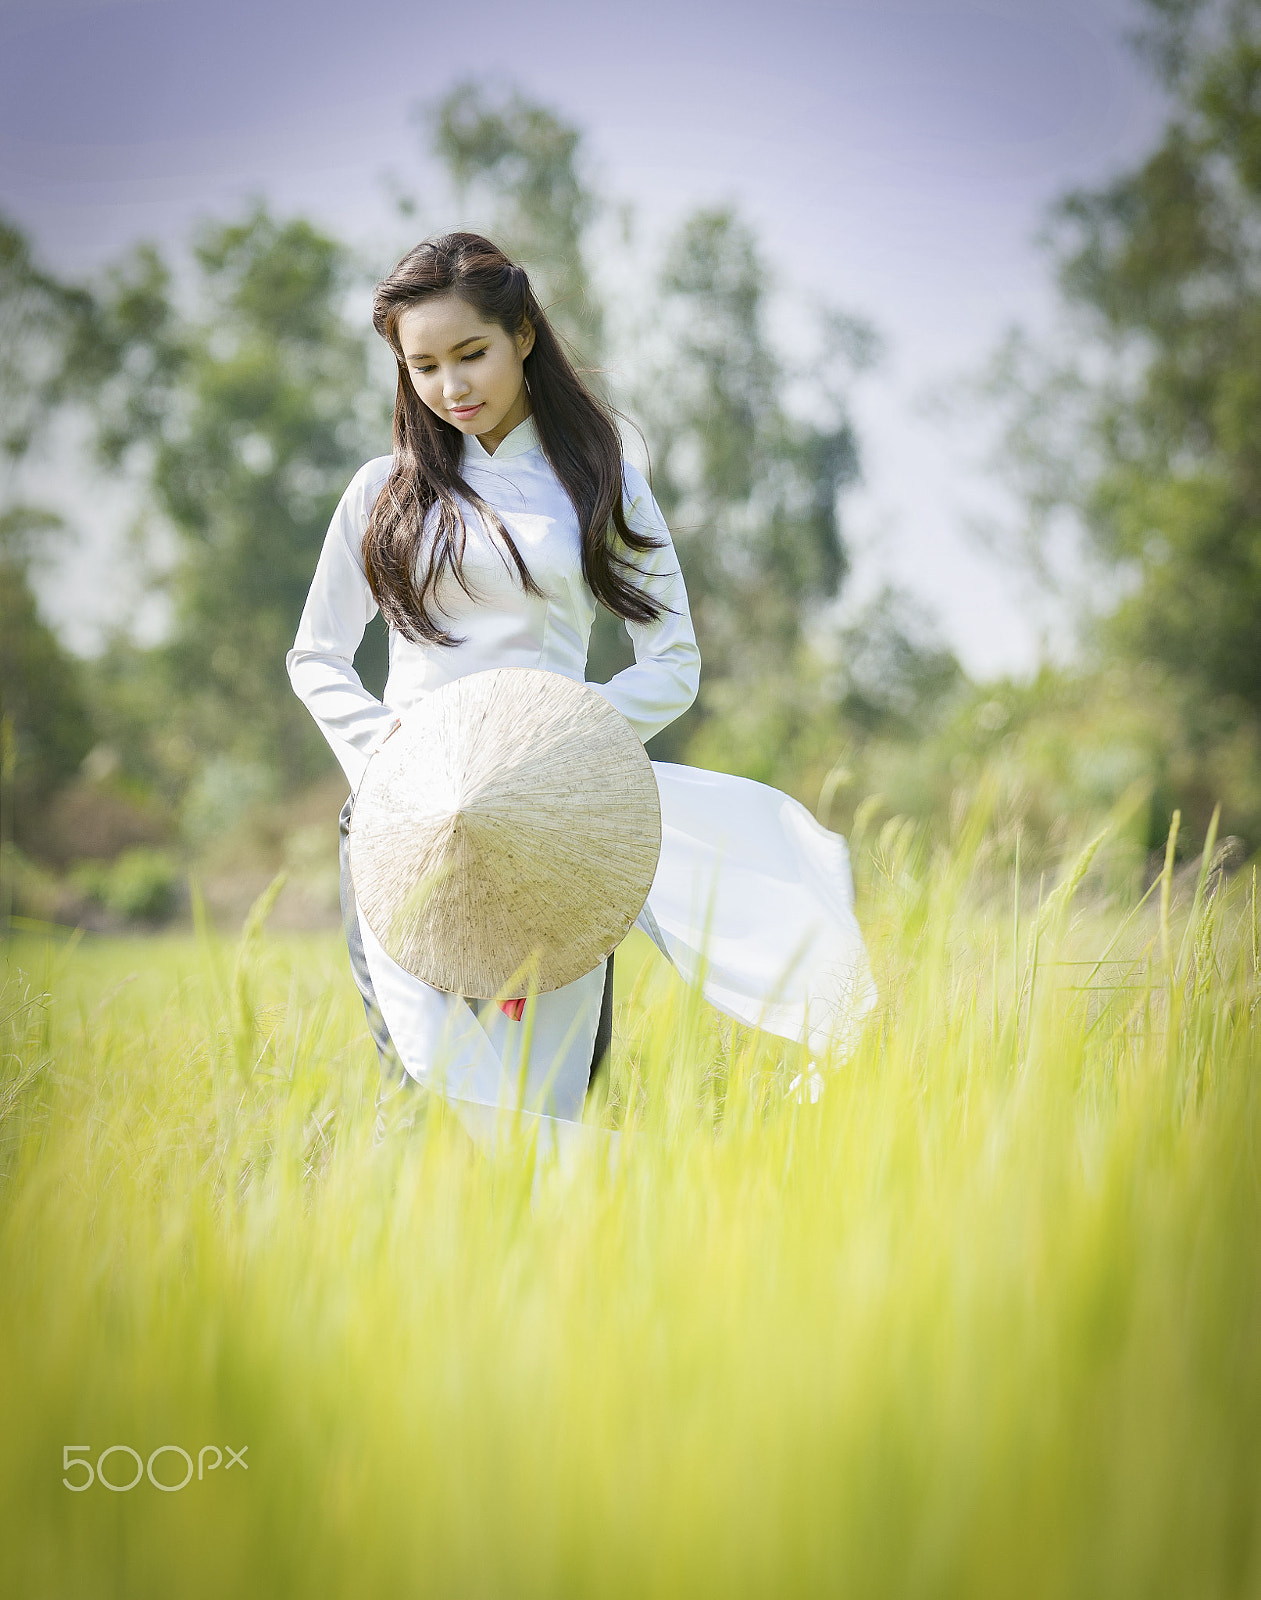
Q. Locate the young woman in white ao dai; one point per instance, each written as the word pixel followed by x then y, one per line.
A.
pixel 752 898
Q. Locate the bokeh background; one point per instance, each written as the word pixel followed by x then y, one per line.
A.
pixel 939 326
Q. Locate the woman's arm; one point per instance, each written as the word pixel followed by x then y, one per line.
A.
pixel 667 672
pixel 338 609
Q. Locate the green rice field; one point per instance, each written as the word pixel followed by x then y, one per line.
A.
pixel 982 1321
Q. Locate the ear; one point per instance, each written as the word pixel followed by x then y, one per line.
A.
pixel 525 338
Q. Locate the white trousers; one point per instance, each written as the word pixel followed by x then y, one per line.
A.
pixel 468 1050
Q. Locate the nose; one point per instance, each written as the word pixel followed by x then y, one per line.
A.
pixel 455 386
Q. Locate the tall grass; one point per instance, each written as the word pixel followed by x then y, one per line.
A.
pixel 983 1321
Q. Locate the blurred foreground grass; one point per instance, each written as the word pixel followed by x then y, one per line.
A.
pixel 983 1321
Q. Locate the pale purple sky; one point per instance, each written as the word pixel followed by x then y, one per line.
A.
pixel 896 159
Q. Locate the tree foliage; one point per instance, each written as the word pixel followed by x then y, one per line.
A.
pixel 1163 267
pixel 245 398
pixel 47 359
pixel 520 164
pixel 750 488
pixel 41 689
pixel 49 354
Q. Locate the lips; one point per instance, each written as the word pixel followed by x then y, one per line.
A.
pixel 463 413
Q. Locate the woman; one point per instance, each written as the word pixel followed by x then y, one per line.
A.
pixel 503 517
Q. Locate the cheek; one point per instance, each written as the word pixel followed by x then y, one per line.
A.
pixel 425 389
pixel 507 376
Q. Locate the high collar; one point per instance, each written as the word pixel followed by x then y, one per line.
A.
pixel 522 438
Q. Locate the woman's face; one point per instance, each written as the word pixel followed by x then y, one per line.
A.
pixel 467 371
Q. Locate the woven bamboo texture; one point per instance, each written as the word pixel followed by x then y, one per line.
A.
pixel 507 833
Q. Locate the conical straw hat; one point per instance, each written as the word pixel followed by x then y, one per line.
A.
pixel 507 832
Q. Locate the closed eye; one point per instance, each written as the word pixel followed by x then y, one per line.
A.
pixel 431 367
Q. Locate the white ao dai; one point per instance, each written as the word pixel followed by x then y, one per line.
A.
pixel 752 898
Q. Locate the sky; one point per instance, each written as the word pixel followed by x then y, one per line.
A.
pixel 896 160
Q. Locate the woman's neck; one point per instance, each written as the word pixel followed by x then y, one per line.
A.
pixel 515 415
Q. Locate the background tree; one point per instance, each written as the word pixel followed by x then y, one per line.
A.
pixel 750 490
pixel 49 356
pixel 895 672
pixel 47 361
pixel 517 166
pixel 1168 258
pixel 1151 431
pixel 47 729
pixel 245 404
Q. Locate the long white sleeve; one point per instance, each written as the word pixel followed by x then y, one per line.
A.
pixel 664 680
pixel 338 608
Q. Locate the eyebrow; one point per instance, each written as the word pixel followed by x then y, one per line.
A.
pixel 423 355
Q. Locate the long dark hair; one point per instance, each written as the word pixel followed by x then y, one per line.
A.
pixel 576 431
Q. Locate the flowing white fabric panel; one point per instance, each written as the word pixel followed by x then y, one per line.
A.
pixel 754 900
